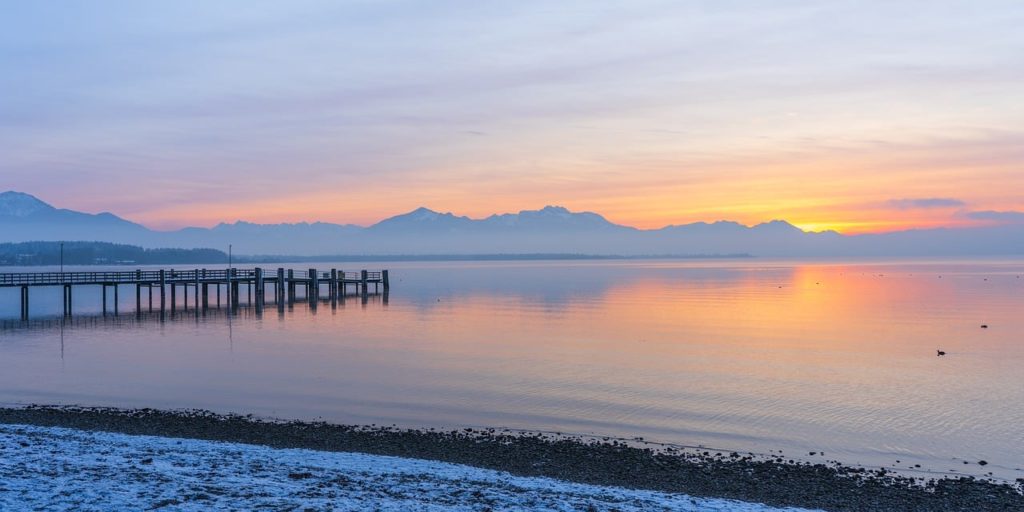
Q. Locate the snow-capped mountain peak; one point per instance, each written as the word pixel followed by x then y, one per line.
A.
pixel 19 204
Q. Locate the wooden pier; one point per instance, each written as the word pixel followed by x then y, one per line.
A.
pixel 284 283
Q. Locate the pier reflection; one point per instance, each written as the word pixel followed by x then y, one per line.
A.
pixel 243 311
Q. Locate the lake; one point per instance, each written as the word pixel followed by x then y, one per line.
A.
pixel 746 355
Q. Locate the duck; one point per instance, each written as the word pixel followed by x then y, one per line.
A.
pixel 941 352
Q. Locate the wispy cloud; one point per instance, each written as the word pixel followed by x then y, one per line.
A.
pixel 654 112
pixel 925 203
pixel 1005 217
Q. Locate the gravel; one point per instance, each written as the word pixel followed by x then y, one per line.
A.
pixel 769 480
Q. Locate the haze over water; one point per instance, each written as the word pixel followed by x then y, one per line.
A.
pixel 747 355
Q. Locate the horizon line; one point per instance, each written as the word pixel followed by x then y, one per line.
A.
pixel 802 226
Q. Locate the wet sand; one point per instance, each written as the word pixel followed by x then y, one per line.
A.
pixel 772 481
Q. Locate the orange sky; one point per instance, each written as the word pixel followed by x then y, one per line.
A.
pixel 851 190
pixel 858 117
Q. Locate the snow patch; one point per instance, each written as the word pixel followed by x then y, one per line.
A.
pixel 65 469
pixel 17 204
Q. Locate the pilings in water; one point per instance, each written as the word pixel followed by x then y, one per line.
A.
pixel 291 286
pixel 67 300
pixel 24 302
pixel 105 308
pixel 279 288
pixel 313 288
pixel 258 284
pixel 163 289
pixel 200 281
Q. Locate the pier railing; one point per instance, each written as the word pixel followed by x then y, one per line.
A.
pixel 169 276
pixel 127 277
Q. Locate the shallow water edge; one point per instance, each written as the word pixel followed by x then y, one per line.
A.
pixel 772 481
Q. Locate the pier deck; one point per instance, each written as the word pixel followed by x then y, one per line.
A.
pixel 256 280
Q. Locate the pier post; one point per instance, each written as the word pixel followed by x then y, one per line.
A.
pixel 174 298
pixel 163 285
pixel 233 288
pixel 332 288
pixel 138 292
pixel 24 302
pixel 259 287
pixel 197 309
pixel 384 278
pixel 67 300
pixel 115 299
pixel 104 288
pixel 279 288
pixel 312 289
pixel 291 285
pixel 197 292
pixel 362 279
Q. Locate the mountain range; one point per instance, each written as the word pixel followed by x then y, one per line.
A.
pixel 549 230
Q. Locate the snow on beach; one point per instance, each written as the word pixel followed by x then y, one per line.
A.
pixel 63 469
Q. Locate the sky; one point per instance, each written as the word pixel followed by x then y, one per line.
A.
pixel 854 115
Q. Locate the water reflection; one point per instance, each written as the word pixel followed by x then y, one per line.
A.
pixel 746 355
pixel 146 317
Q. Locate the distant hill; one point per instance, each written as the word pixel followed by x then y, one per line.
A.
pixel 549 230
pixel 24 217
pixel 102 253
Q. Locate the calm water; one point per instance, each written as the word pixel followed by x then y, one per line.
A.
pixel 746 355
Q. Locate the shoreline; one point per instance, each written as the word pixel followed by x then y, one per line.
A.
pixel 736 476
pixel 110 471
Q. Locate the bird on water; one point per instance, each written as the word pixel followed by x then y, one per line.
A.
pixel 941 352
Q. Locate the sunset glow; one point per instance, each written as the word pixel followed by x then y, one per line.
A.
pixel 832 117
pixel 742 255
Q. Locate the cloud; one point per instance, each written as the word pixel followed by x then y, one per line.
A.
pixel 1005 217
pixel 921 203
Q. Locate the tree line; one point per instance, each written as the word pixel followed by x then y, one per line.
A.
pixel 101 253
